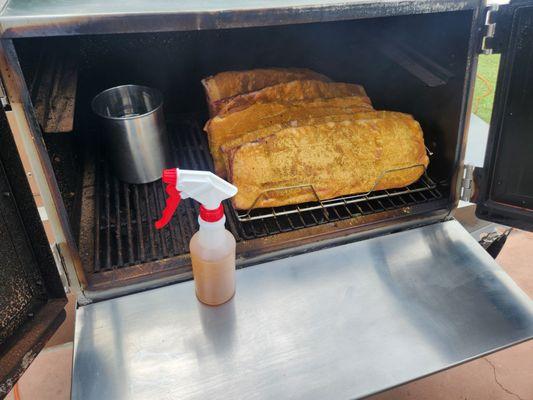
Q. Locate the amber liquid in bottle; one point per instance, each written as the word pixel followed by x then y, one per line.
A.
pixel 213 264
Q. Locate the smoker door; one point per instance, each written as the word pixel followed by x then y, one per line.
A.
pixel 32 298
pixel 506 191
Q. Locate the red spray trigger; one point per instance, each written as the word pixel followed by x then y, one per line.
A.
pixel 170 177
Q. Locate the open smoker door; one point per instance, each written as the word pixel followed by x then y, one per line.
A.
pixel 342 322
pixel 506 189
pixel 32 298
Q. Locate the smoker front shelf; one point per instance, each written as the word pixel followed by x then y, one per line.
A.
pixel 343 322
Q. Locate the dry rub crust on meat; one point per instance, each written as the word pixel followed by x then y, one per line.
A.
pixel 336 158
pixel 287 92
pixel 230 145
pixel 222 129
pixel 232 83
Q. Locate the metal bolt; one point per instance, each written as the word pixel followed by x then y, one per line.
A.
pixel 6 194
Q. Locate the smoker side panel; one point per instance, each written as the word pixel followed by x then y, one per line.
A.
pixel 506 188
pixel 31 294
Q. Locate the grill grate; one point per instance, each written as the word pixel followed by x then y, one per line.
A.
pixel 125 213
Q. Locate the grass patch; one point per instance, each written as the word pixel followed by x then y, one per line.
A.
pixel 487 72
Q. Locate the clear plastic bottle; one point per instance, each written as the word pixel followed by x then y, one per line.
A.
pixel 212 248
pixel 212 251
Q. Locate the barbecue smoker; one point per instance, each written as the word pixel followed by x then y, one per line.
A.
pixel 342 298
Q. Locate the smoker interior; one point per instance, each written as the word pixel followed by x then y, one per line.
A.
pixel 415 64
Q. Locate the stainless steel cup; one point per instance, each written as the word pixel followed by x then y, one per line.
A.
pixel 134 132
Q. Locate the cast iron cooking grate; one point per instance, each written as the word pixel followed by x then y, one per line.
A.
pixel 125 213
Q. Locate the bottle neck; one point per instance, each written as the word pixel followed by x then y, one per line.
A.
pixel 211 214
pixel 214 232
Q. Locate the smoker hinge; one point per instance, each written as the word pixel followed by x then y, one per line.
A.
pixel 467 183
pixel 4 100
pixel 61 266
pixel 488 30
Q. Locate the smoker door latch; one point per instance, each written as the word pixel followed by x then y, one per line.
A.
pixel 467 183
pixel 488 30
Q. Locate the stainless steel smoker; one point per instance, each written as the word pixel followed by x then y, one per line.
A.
pixel 335 299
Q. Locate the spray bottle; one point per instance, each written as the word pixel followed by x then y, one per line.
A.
pixel 212 248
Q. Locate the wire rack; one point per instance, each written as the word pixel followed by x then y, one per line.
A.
pixel 424 184
pixel 125 213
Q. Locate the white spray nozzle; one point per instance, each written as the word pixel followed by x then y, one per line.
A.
pixel 202 186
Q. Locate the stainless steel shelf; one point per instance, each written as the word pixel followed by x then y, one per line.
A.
pixel 342 323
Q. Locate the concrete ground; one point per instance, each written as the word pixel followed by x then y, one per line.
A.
pixel 505 375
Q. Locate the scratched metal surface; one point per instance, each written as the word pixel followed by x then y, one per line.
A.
pixel 340 323
pixel 31 295
pixel 24 18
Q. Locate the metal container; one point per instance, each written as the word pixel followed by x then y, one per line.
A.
pixel 134 132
